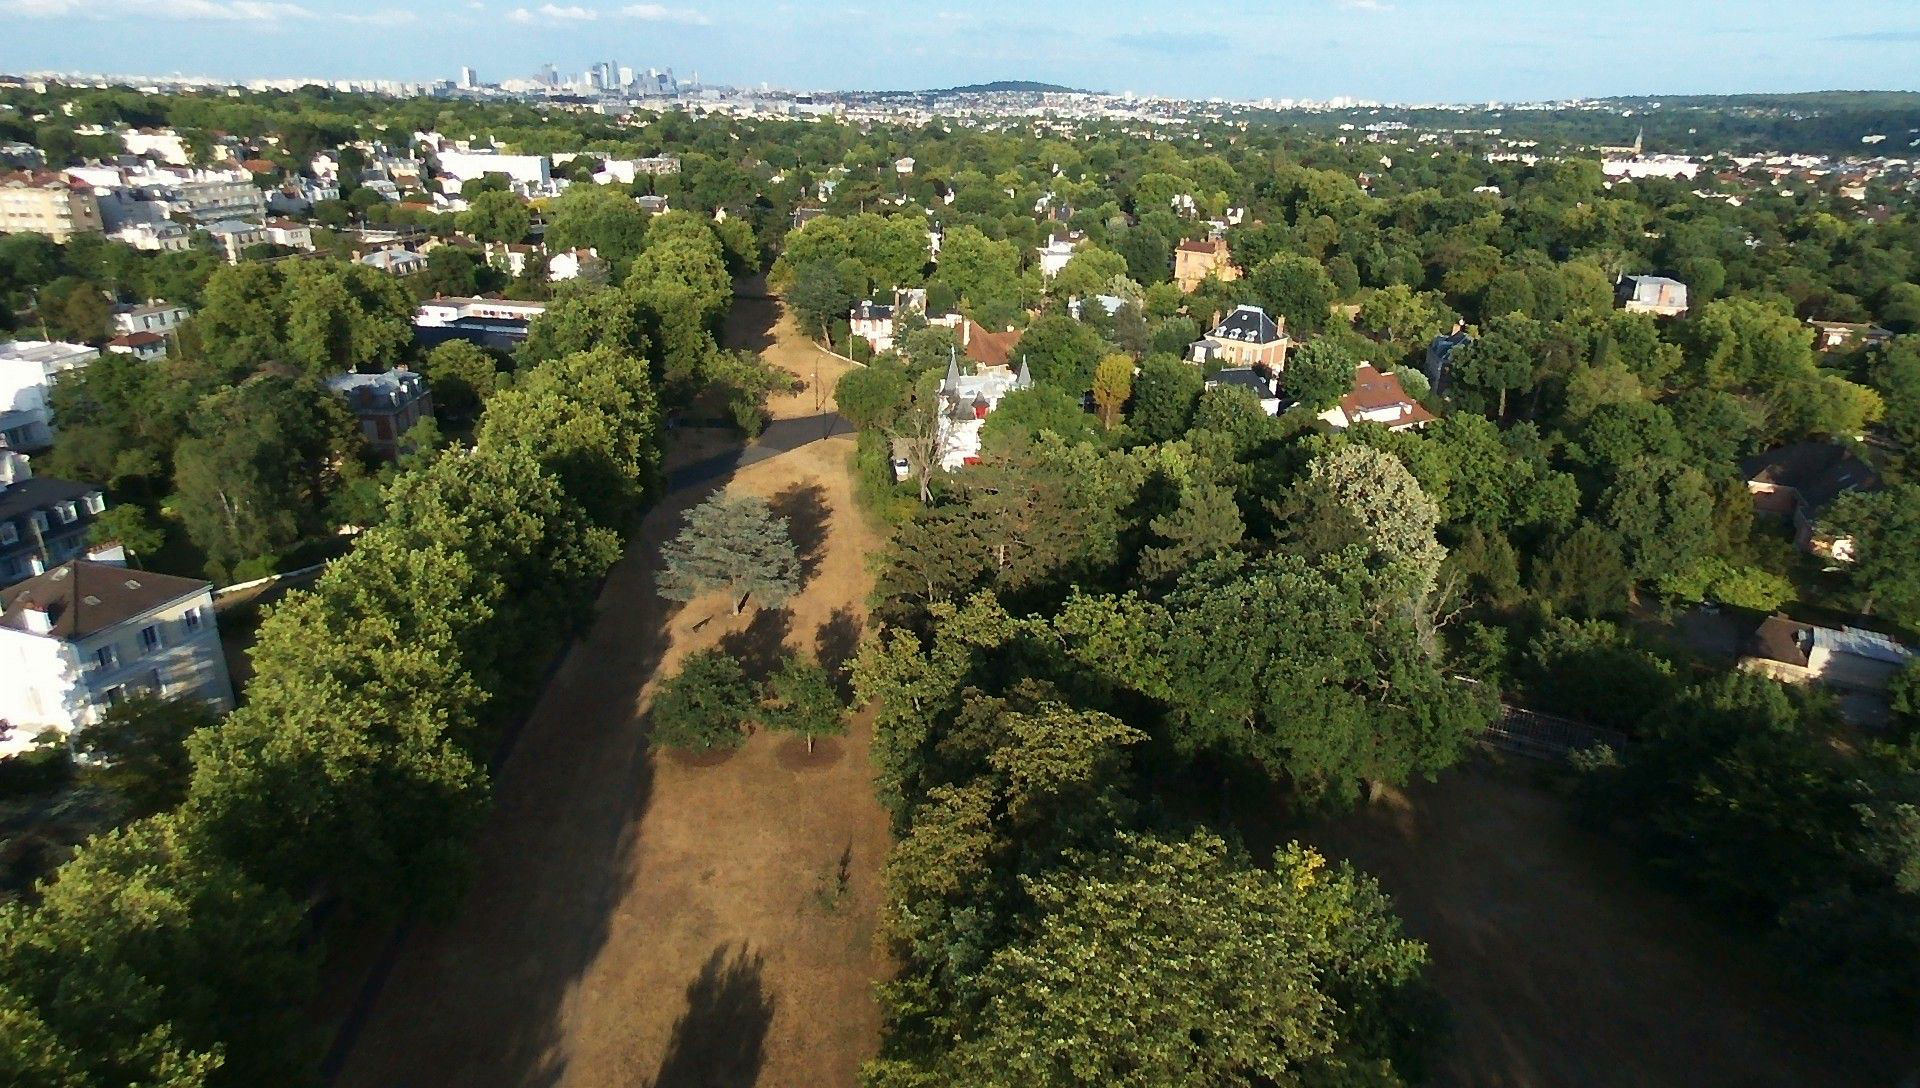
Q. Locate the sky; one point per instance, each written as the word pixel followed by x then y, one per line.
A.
pixel 1388 50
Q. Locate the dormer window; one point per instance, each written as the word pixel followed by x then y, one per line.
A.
pixel 96 503
pixel 9 534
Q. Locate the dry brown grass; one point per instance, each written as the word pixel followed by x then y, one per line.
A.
pixel 647 920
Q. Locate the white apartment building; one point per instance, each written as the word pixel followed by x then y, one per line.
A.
pixel 87 634
pixel 527 170
pixel 28 369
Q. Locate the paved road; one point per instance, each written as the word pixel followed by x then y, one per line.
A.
pixel 781 436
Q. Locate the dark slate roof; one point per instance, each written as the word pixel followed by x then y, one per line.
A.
pixel 84 597
pixel 1782 639
pixel 1819 472
pixel 39 493
pixel 1244 377
pixel 1248 325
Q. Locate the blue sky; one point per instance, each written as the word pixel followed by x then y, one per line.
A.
pixel 1396 50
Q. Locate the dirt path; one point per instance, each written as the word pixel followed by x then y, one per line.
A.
pixel 656 921
pixel 1563 968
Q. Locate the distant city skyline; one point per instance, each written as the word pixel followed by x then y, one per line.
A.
pixel 1391 50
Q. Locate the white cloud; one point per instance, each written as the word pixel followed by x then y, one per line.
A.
pixel 1366 5
pixel 660 13
pixel 553 13
pixel 231 11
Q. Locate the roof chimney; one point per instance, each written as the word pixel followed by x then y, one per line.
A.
pixel 39 621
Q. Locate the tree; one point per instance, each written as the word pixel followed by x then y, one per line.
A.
pixel 154 961
pixel 819 294
pixel 1296 289
pixel 1584 574
pixel 735 544
pixel 1885 528
pixel 1318 374
pixel 1406 316
pixel 1061 352
pixel 1500 361
pixel 341 317
pixel 129 526
pixel 138 749
pixel 1170 961
pixel 1025 413
pixel 801 699
pixel 1358 495
pixel 1112 387
pixel 255 474
pixel 704 706
pixel 462 376
pixel 1662 513
pixel 495 216
pixel 870 396
pixel 582 322
pixel 1164 397
pixel 599 218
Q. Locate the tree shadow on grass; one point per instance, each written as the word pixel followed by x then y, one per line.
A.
pixel 835 645
pixel 762 644
pixel 804 506
pixel 720 1041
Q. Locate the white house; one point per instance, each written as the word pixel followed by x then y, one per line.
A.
pixel 571 264
pixel 1652 295
pixel 160 237
pixel 154 315
pixel 395 262
pixel 286 232
pixel 144 346
pixel 28 369
pixel 234 236
pixel 1377 397
pixel 1055 255
pixel 966 402
pixel 87 634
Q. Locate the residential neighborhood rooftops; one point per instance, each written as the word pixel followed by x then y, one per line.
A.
pixel 85 597
pixel 1818 471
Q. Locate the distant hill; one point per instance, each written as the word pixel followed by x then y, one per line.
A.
pixel 1009 86
pixel 1000 86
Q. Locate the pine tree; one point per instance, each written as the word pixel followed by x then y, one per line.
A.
pixel 736 544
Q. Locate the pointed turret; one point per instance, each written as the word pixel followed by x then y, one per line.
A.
pixel 1024 379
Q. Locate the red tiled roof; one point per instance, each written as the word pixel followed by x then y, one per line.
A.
pixel 1374 391
pixel 991 348
pixel 137 340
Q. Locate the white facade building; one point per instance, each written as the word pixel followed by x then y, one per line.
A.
pixel 966 402
pixel 528 170
pixel 1054 256
pixel 86 634
pixel 154 315
pixel 28 369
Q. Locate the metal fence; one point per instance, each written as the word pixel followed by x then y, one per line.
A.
pixel 1530 733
